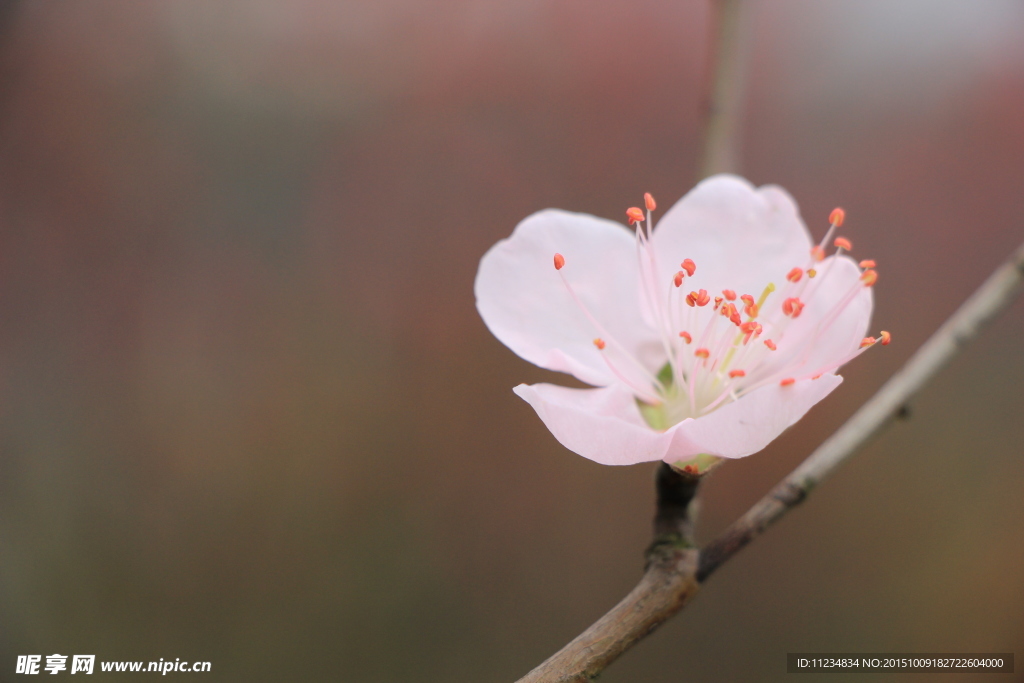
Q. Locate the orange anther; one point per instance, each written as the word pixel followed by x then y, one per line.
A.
pixel 886 338
pixel 737 373
pixel 718 302
pixel 747 299
pixel 867 341
pixel 811 272
pixel 649 202
pixel 818 254
pixel 837 217
pixel 748 327
pixel 843 243
pixel 702 353
pixel 729 311
pixel 559 261
pixel 689 266
pixel 795 275
pixel 869 277
pixel 770 344
pixel 599 343
pixel 792 307
pixel 635 215
pixel 702 298
pixel 691 469
pixel 686 337
pixel 678 279
pixel 786 382
pixel 867 263
pixel 751 310
pixel 729 294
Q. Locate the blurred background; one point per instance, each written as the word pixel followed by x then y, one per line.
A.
pixel 248 411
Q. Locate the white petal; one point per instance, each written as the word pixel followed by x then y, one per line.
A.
pixel 740 238
pixel 525 304
pixel 603 425
pixel 748 425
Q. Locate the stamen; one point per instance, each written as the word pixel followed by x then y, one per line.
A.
pixel 795 275
pixel 811 272
pixel 836 219
pixel 678 279
pixel 702 353
pixel 867 263
pixel 770 344
pixel 792 307
pixel 649 202
pixel 737 373
pixel 559 261
pixel 729 294
pixel 786 382
pixel 843 243
pixel 685 336
pixel 635 215
pixel 869 277
pixel 689 266
pixel 750 308
pixel 700 298
pixel 886 338
pixel 867 341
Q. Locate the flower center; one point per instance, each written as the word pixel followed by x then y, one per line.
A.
pixel 717 348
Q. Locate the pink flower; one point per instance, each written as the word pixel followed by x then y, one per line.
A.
pixel 705 337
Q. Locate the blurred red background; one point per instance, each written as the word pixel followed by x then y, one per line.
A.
pixel 248 412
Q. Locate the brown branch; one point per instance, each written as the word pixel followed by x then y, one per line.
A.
pixel 676 494
pixel 668 583
pixel 675 570
pixel 723 95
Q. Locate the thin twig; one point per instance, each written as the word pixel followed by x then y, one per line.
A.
pixel 723 97
pixel 674 573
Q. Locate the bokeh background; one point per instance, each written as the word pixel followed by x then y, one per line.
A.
pixel 249 414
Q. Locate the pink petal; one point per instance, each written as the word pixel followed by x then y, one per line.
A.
pixel 741 238
pixel 603 425
pixel 525 304
pixel 748 425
